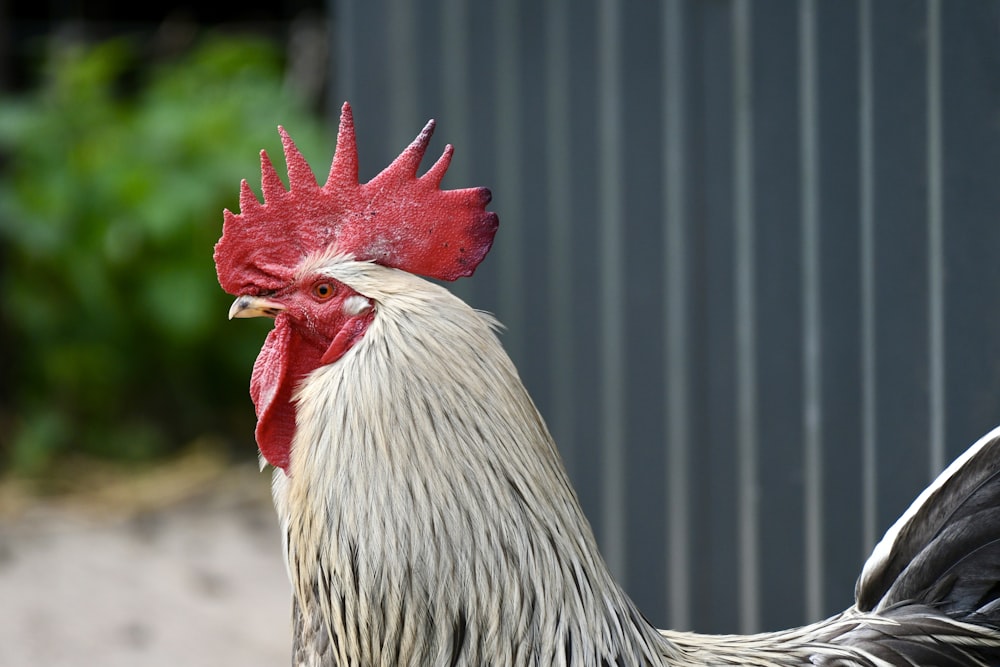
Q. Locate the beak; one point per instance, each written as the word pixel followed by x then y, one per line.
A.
pixel 254 306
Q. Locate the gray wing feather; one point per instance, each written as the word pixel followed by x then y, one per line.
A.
pixel 946 551
pixel 914 635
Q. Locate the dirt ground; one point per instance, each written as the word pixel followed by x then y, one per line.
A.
pixel 180 565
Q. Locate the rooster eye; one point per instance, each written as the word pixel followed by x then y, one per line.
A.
pixel 323 291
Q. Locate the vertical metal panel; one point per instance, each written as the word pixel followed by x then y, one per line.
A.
pixel 869 354
pixel 641 228
pixel 454 75
pixel 746 259
pixel 812 325
pixel 842 353
pixel 585 251
pixel 778 351
pixel 509 159
pixel 935 242
pixel 454 98
pixel 676 315
pixel 900 253
pixel 534 254
pixel 610 288
pixel 715 532
pixel 401 75
pixel 746 318
pixel 970 151
pixel 562 378
pixel 481 38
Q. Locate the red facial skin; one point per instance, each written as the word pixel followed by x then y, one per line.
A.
pixel 316 327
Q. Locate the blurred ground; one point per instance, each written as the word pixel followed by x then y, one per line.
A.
pixel 177 565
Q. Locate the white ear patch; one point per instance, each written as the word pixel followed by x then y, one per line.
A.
pixel 356 304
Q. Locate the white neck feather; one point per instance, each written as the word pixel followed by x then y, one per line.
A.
pixel 427 513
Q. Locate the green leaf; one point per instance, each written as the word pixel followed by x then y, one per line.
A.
pixel 115 175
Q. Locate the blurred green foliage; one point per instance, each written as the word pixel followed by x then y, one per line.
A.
pixel 115 172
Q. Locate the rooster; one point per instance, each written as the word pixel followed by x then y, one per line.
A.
pixel 425 513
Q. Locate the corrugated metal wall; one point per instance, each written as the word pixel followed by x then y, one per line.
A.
pixel 749 261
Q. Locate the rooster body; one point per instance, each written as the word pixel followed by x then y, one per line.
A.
pixel 422 531
pixel 427 519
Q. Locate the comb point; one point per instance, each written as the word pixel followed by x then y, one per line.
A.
pixel 248 200
pixel 300 174
pixel 344 168
pixel 270 182
pixel 409 160
pixel 436 173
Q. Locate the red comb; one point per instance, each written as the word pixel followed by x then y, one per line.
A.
pixel 397 219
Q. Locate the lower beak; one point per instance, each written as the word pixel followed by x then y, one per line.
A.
pixel 254 306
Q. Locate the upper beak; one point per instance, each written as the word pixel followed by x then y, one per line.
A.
pixel 254 306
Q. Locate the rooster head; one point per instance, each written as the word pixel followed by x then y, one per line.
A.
pixel 271 256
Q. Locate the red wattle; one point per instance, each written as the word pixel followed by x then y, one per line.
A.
pixel 282 363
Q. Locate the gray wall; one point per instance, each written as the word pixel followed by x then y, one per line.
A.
pixel 749 261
